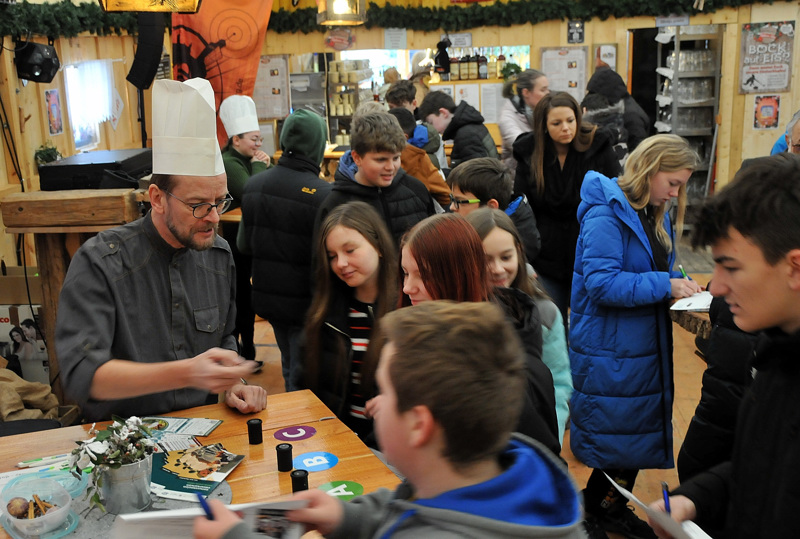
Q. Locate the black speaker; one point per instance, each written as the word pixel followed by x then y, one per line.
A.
pixel 36 62
pixel 149 45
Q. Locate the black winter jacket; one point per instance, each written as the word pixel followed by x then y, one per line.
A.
pixel 757 492
pixel 402 205
pixel 609 84
pixel 470 137
pixel 538 418
pixel 278 211
pixel 335 362
pixel 709 438
pixel 522 216
pixel 556 209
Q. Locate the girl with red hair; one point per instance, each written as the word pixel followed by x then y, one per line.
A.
pixel 442 257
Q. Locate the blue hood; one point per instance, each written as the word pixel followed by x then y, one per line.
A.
pixel 533 491
pixel 347 166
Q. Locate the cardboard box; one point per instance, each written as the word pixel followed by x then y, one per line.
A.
pixel 16 331
pixel 13 290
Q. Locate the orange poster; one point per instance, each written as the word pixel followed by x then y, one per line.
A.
pixel 222 43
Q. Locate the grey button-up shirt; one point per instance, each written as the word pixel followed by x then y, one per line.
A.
pixel 129 295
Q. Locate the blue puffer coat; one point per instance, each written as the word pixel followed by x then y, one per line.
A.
pixel 620 337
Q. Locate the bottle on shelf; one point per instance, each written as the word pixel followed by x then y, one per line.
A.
pixel 454 66
pixel 501 63
pixel 464 65
pixel 473 65
pixel 492 64
pixel 483 66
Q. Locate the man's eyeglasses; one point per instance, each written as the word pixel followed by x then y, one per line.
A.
pixel 201 210
pixel 457 202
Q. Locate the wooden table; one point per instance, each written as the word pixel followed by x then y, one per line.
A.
pixel 692 321
pixel 257 477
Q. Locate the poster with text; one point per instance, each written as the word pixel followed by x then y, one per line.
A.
pixel 271 91
pixel 566 69
pixel 766 59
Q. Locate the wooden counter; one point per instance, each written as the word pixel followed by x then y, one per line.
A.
pixel 60 222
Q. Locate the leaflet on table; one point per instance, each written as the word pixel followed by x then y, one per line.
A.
pixel 195 426
pixel 678 530
pixel 179 475
pixel 265 519
pixel 696 302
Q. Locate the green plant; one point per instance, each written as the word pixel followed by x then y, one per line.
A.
pixel 509 70
pixel 46 153
pixel 124 441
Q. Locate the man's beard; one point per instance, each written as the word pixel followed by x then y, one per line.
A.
pixel 188 240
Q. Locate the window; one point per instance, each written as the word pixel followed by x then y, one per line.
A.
pixel 89 101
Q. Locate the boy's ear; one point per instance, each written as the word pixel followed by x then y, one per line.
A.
pixel 492 203
pixel 421 426
pixel 793 260
pixel 356 158
pixel 444 112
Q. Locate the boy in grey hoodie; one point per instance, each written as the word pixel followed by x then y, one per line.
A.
pixel 449 433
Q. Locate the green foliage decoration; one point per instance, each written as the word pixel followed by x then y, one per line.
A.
pixel 513 12
pixel 63 19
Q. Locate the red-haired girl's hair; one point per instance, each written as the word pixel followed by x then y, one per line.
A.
pixel 450 257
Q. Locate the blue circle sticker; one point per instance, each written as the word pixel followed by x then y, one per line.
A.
pixel 315 461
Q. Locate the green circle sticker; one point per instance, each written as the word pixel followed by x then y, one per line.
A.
pixel 344 490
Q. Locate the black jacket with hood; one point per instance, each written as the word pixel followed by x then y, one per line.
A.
pixel 470 137
pixel 278 211
pixel 608 83
pixel 402 204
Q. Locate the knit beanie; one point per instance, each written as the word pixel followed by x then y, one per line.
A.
pixel 304 132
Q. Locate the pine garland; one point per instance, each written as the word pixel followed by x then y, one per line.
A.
pixel 513 12
pixel 63 19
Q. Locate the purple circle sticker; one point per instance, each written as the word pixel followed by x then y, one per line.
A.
pixel 291 434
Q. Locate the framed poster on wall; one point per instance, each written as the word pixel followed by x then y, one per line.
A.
pixel 566 69
pixel 765 63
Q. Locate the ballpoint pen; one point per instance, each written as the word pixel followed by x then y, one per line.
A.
pixel 683 271
pixel 206 508
pixel 665 491
pixel 43 461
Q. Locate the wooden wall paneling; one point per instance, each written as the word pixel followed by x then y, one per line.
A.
pixel 738 103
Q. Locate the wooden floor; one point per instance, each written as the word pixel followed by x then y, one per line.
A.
pixel 688 372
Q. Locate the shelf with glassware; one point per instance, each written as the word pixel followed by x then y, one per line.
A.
pixel 349 84
pixel 688 99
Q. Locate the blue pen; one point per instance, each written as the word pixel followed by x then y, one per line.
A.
pixel 665 491
pixel 206 508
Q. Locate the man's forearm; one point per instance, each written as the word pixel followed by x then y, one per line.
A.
pixel 120 379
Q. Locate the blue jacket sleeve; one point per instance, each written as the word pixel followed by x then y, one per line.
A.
pixel 608 281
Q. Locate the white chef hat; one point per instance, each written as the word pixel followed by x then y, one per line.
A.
pixel 185 129
pixel 238 115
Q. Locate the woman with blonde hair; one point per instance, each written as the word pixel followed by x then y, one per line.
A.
pixel 551 163
pixel 620 336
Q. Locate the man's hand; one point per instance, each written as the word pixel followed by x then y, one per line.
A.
pixel 217 370
pixel 224 520
pixel 324 513
pixel 246 398
pixel 681 508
